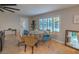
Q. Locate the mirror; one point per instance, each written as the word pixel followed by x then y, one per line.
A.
pixel 72 39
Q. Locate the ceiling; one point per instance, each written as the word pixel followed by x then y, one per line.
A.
pixel 36 9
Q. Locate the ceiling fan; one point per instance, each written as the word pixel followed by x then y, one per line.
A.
pixel 7 7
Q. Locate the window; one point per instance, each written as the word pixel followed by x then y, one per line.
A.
pixel 74 38
pixel 56 24
pixel 51 24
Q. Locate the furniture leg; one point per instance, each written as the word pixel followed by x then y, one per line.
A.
pixel 0 45
pixel 25 48
pixel 32 49
pixel 36 44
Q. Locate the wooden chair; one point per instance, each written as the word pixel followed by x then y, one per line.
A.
pixel 20 40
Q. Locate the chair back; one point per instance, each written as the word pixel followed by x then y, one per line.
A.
pixel 46 37
pixel 25 32
pixel 18 36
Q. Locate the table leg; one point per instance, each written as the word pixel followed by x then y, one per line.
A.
pixel 25 48
pixel 32 49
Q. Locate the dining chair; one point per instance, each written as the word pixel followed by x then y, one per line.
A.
pixel 20 40
pixel 46 38
pixel 25 32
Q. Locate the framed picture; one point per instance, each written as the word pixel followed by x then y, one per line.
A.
pixel 76 19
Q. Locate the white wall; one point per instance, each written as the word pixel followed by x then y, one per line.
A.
pixel 14 21
pixel 66 21
pixel 9 20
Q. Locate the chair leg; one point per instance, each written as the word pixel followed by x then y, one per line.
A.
pixel 37 44
pixel 18 44
pixel 47 44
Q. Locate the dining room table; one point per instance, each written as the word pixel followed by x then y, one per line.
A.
pixel 30 40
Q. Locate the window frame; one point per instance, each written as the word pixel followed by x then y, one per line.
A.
pixel 53 24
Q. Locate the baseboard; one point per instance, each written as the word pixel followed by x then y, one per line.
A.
pixel 59 41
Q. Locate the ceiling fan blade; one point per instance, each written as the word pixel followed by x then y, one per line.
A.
pixel 1 10
pixel 12 8
pixel 8 10
pixel 7 4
